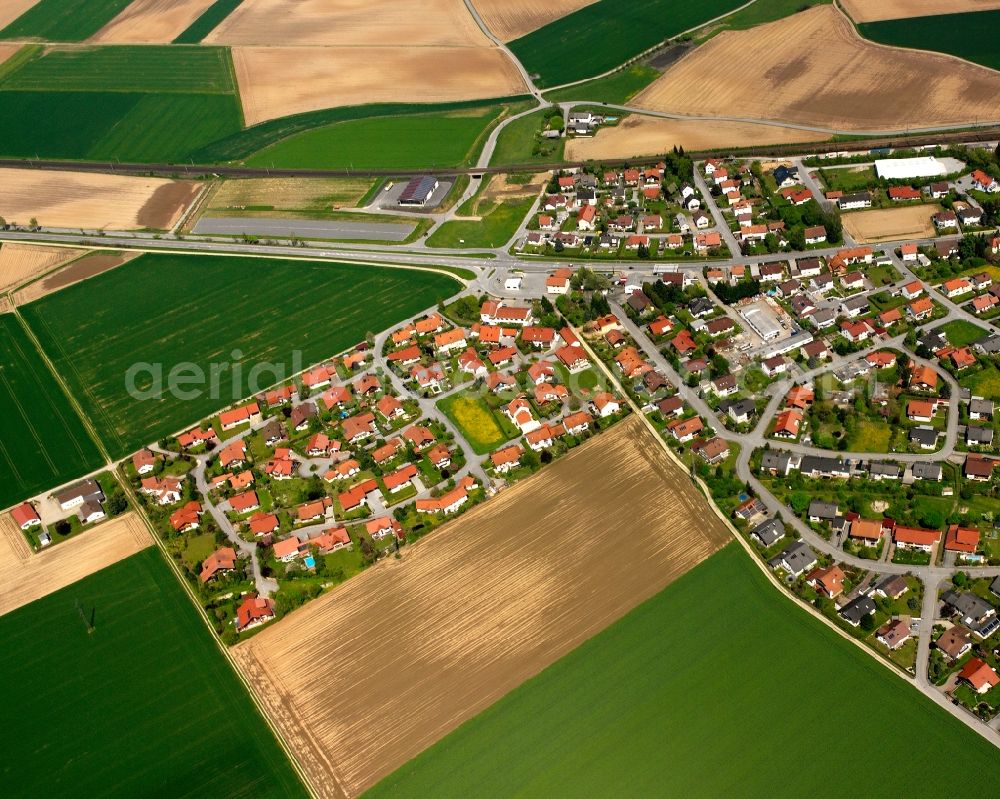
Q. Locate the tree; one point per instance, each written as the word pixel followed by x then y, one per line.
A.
pixel 868 622
pixel 116 503
pixel 62 527
pixel 33 223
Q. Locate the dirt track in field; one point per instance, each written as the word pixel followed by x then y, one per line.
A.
pixel 12 9
pixel 278 81
pixel 92 200
pixel 889 224
pixel 151 22
pixel 89 266
pixel 874 10
pixel 638 135
pixel 369 675
pixel 812 68
pixel 510 19
pixel 19 263
pixel 27 576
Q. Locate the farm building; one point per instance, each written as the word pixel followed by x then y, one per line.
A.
pixel 418 191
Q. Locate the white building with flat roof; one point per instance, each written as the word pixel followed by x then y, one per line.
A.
pixel 902 168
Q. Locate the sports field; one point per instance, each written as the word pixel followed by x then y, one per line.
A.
pixel 143 705
pixel 173 309
pixel 141 103
pixel 403 142
pixel 716 687
pixel 956 34
pixel 602 36
pixel 43 442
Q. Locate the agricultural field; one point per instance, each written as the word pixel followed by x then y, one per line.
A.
pixel 207 22
pixel 473 417
pixel 599 37
pixel 180 309
pixel 12 9
pixel 405 142
pixel 756 13
pixel 280 81
pixel 151 22
pixel 511 19
pixel 889 224
pixel 617 88
pixel 494 228
pixel 474 610
pixel 312 195
pixel 27 576
pixel 955 34
pixel 520 142
pixel 93 200
pixel 689 662
pixel 20 263
pixel 92 263
pixel 61 20
pixel 115 687
pixel 44 442
pixel 815 70
pixel 638 135
pixel 874 10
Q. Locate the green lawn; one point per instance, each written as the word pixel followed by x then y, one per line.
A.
pixel 144 705
pixel 616 88
pixel 174 309
pixel 64 20
pixel 43 442
pixel 714 687
pixel 870 436
pixel 404 142
pixel 960 332
pixel 602 36
pixel 493 230
pixel 209 20
pixel 131 103
pixel 473 417
pixel 520 142
pixel 962 35
pixel 984 383
pixel 850 178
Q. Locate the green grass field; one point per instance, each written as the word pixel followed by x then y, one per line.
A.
pixel 602 36
pixel 519 142
pixel 145 705
pixel 64 20
pixel 984 383
pixel 716 687
pixel 476 421
pixel 172 309
pixel 404 142
pixel 616 88
pixel 960 332
pixel 43 442
pixel 128 103
pixel 962 35
pixel 208 21
pixel 493 230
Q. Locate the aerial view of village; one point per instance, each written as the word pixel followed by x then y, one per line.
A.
pixel 486 398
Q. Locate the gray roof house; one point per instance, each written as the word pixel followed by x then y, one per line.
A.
pixel 769 532
pixel 822 511
pixel 818 466
pixel 739 410
pixel 978 436
pixel 880 470
pixel 855 610
pixel 776 462
pixel 924 437
pixel 975 612
pixel 926 471
pixel 794 559
pixel 980 408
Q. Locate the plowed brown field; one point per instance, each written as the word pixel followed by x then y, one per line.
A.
pixel 813 69
pixel 890 224
pixel 25 576
pixel 509 19
pixel 277 81
pixel 20 263
pixel 367 676
pixel 91 265
pixel 638 135
pixel 151 21
pixel 873 10
pixel 91 200
pixel 12 9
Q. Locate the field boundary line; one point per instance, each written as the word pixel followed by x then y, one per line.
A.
pixel 203 615
pixel 892 667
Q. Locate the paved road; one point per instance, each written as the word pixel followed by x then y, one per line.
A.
pixel 300 228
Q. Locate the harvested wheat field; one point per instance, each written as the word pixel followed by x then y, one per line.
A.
pixel 813 69
pixel 912 222
pixel 277 81
pixel 27 576
pixel 511 19
pixel 877 10
pixel 20 263
pixel 151 21
pixel 96 263
pixel 367 676
pixel 12 9
pixel 350 23
pixel 91 200
pixel 638 135
pixel 500 189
